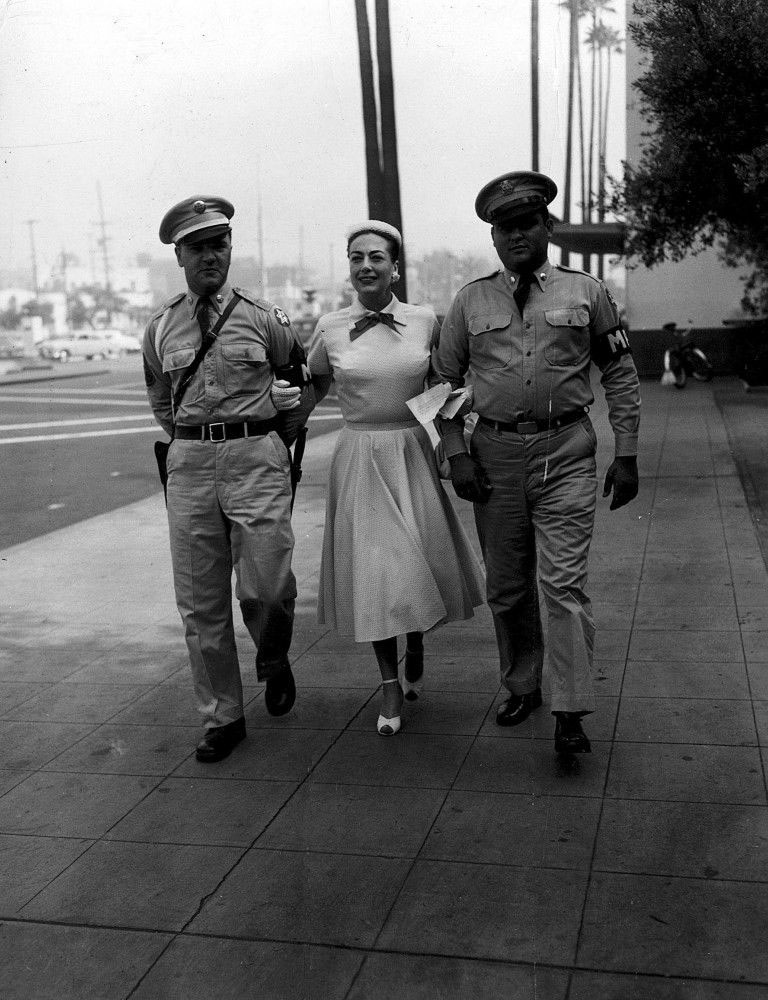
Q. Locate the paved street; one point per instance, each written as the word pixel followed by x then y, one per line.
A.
pixel 80 444
pixel 456 860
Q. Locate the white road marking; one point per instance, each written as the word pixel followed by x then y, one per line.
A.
pixel 89 401
pixel 72 423
pixel 154 428
pixel 35 439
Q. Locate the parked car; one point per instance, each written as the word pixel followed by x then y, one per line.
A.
pixel 121 342
pixel 89 344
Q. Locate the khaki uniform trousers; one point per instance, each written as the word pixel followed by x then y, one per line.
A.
pixel 540 516
pixel 229 508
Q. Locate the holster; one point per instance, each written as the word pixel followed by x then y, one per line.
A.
pixel 161 457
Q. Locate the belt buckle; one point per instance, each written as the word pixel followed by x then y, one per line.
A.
pixel 527 427
pixel 217 426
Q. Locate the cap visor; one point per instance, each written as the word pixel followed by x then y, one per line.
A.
pixel 206 233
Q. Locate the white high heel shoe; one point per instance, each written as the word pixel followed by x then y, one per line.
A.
pixel 385 726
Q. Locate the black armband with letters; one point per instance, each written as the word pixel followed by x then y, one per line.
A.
pixel 295 372
pixel 608 346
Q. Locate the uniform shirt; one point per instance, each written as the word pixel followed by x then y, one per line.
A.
pixel 234 380
pixel 536 366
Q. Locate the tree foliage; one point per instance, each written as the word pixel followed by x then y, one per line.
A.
pixel 702 178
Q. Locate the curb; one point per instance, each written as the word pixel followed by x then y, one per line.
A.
pixel 52 376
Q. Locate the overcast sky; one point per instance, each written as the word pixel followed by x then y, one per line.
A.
pixel 160 99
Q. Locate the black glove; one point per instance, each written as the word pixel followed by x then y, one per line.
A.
pixel 622 478
pixel 469 479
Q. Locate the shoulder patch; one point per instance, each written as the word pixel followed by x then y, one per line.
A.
pixel 168 304
pixel 281 317
pixel 249 296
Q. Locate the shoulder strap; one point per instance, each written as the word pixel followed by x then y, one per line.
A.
pixel 189 372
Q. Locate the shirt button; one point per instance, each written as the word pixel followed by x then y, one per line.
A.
pixel 527 381
pixel 527 354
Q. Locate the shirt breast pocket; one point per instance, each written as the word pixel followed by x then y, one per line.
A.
pixel 174 364
pixel 490 340
pixel 566 336
pixel 246 369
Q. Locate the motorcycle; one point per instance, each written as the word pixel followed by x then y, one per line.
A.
pixel 684 360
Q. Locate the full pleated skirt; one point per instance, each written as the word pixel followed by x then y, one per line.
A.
pixel 395 557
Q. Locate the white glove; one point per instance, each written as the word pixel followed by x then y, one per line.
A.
pixel 284 395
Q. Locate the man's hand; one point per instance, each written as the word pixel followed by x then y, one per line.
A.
pixel 622 478
pixel 469 479
pixel 284 395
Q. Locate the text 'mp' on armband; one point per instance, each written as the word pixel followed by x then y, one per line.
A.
pixel 610 345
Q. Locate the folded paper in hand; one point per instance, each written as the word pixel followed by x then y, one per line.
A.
pixel 446 402
pixel 440 399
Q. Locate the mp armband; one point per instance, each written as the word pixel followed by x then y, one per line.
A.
pixel 296 371
pixel 608 346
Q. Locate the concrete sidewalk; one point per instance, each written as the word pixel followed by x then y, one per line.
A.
pixel 457 860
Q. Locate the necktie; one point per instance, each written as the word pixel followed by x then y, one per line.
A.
pixel 522 288
pixel 204 315
pixel 369 320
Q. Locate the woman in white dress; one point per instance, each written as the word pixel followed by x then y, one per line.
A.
pixel 395 559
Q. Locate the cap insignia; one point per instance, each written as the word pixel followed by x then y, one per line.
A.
pixel 199 207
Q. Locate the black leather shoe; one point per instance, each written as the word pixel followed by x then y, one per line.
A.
pixel 219 742
pixel 517 708
pixel 280 693
pixel 569 736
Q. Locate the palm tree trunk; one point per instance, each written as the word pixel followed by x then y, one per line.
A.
pixel 601 126
pixel 573 49
pixel 373 160
pixel 535 84
pixel 393 213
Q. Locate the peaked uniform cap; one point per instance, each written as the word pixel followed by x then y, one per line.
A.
pixel 198 218
pixel 378 227
pixel 514 194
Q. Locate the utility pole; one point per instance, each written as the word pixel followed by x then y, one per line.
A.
pixel 35 284
pixel 102 242
pixel 300 275
pixel 534 84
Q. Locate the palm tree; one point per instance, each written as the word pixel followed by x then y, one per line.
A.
pixel 573 12
pixel 379 124
pixel 534 84
pixel 611 43
pixel 593 8
pixel 373 159
pixel 390 172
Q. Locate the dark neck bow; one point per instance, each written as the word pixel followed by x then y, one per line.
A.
pixel 369 320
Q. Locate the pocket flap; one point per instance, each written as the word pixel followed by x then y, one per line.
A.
pixel 182 358
pixel 574 316
pixel 253 354
pixel 489 321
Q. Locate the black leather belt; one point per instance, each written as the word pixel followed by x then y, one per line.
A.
pixel 532 426
pixel 224 432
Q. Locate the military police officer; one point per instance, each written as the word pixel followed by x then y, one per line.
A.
pixel 527 335
pixel 228 489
